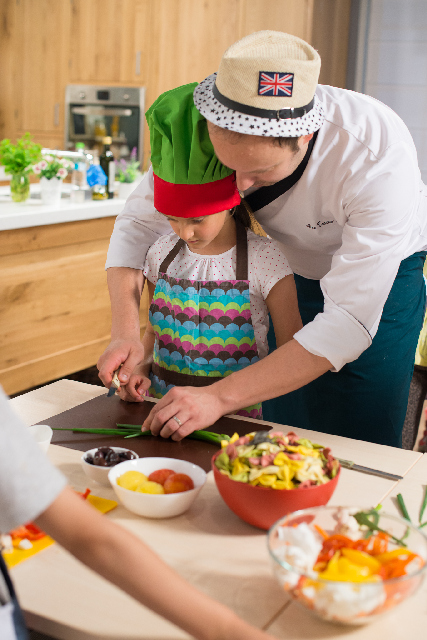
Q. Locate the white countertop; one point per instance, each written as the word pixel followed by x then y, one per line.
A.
pixel 17 215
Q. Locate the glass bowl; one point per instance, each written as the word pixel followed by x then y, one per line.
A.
pixel 344 602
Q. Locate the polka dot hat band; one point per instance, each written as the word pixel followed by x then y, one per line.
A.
pixel 265 86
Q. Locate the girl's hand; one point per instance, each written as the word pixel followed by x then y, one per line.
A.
pixel 139 383
pixel 183 410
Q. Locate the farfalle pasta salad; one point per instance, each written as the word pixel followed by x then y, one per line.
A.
pixel 273 459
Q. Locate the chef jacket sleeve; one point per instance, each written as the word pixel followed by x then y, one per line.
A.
pixel 137 227
pixel 378 221
pixel 29 483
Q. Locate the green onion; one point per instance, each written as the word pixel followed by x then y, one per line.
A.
pixel 402 507
pixel 423 506
pixel 134 430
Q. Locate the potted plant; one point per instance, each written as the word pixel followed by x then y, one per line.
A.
pixel 52 170
pixel 127 172
pixel 18 160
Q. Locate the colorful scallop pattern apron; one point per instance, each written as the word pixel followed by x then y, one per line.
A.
pixel 203 330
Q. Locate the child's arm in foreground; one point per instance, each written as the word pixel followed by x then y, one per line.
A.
pixel 127 562
pixel 139 381
pixel 282 303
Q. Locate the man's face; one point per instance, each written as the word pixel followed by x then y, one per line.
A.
pixel 257 161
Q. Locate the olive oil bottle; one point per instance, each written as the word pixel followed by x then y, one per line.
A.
pixel 106 160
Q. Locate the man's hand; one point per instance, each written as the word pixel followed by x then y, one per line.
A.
pixel 194 408
pixel 128 353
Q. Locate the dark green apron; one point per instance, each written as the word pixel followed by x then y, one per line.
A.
pixel 367 398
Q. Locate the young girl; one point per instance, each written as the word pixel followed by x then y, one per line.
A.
pixel 213 282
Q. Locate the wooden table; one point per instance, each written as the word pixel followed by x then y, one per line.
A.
pixel 208 545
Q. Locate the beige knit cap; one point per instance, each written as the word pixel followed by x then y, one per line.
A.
pixel 268 79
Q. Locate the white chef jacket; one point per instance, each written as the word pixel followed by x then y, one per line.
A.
pixel 358 210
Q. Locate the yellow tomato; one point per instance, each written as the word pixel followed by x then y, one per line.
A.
pixel 131 479
pixel 149 487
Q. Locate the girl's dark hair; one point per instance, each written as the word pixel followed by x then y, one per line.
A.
pixel 241 213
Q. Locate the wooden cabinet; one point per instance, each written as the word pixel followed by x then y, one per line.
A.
pixel 109 41
pixel 54 305
pixel 159 44
pixel 43 42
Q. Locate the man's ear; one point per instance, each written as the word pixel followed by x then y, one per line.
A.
pixel 306 139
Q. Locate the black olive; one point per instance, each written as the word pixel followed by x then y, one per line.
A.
pixel 89 458
pixel 104 450
pixel 127 455
pixel 261 436
pixel 113 458
pixel 99 459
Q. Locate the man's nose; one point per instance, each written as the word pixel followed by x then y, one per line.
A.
pixel 243 181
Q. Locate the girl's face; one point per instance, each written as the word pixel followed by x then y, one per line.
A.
pixel 208 232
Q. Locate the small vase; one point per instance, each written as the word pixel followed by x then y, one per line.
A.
pixel 51 191
pixel 19 187
pixel 125 189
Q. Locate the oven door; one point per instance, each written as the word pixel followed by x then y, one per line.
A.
pixel 90 123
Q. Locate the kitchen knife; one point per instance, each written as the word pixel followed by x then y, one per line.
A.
pixel 349 464
pixel 115 384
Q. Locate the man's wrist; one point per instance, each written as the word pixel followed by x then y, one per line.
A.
pixel 224 395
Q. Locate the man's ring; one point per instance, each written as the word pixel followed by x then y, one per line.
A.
pixel 178 421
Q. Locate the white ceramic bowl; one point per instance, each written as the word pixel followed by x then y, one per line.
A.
pixel 42 433
pixel 163 505
pixel 100 474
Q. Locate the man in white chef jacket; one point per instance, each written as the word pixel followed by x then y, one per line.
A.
pixel 333 176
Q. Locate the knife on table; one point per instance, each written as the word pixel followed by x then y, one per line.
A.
pixel 115 384
pixel 349 464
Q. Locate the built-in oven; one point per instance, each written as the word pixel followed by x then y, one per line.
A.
pixel 95 112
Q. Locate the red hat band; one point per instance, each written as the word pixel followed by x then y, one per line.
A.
pixel 195 200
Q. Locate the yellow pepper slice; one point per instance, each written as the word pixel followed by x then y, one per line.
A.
pixel 341 569
pixel 363 559
pixel 383 558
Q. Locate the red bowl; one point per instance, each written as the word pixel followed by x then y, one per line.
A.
pixel 263 506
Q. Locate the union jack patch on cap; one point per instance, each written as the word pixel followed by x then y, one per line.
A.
pixel 275 83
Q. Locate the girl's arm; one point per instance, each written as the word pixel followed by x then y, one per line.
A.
pixel 123 559
pixel 139 381
pixel 282 303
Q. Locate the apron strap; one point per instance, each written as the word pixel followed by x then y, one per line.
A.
pixel 171 256
pixel 241 253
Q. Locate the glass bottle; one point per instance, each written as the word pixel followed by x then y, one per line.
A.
pixel 106 160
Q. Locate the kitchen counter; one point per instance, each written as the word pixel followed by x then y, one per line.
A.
pixel 208 545
pixel 32 213
pixel 55 318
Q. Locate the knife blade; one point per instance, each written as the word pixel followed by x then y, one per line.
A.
pixel 115 384
pixel 349 464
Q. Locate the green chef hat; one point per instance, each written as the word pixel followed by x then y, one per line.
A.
pixel 189 180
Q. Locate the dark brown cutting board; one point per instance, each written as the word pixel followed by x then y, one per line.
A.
pixel 104 413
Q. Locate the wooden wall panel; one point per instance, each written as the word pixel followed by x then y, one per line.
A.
pixel 290 16
pixel 44 42
pixel 11 62
pixel 105 37
pixel 331 22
